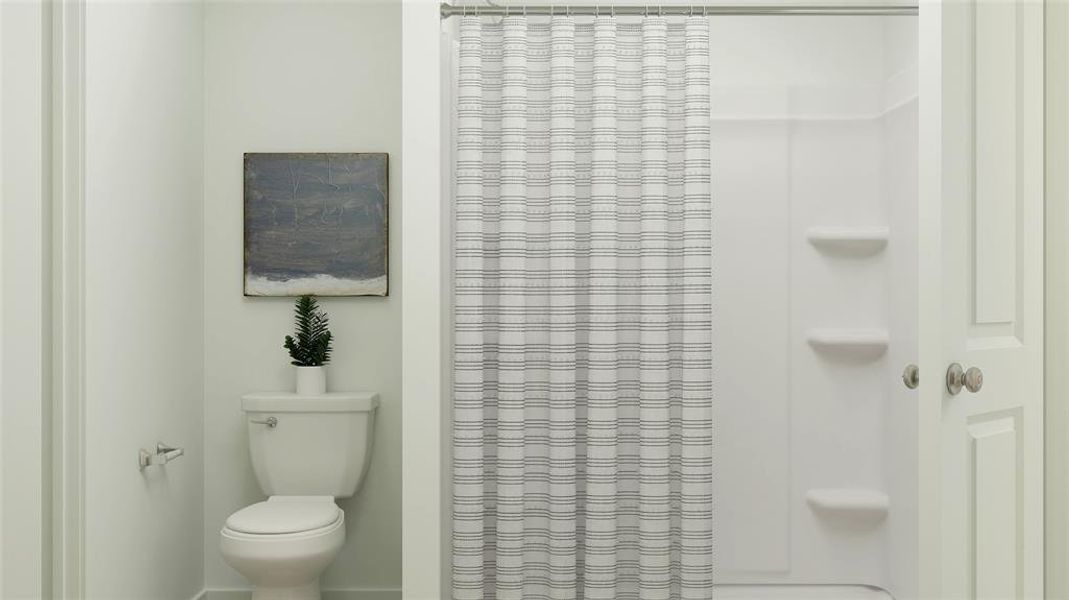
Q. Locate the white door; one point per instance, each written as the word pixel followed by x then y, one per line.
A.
pixel 981 492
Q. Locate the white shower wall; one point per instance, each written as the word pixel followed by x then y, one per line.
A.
pixel 814 135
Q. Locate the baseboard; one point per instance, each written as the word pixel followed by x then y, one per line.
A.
pixel 394 594
pixel 227 595
pixel 388 594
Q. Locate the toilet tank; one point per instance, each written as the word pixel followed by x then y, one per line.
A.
pixel 310 445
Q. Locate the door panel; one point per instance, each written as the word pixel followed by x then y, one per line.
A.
pixel 996 492
pixel 986 117
pixel 997 174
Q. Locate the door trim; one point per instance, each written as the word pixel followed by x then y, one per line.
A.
pixel 68 299
pixel 1056 376
pixel 929 300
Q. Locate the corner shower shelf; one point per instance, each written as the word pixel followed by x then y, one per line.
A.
pixel 850 241
pixel 850 343
pixel 861 504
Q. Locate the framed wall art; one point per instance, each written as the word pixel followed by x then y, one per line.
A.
pixel 316 224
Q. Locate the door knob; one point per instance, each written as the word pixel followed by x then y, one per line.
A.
pixel 958 377
pixel 911 376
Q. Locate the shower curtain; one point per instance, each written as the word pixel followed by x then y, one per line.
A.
pixel 582 376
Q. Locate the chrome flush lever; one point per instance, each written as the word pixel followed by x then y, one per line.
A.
pixel 271 422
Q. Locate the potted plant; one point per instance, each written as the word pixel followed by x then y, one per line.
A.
pixel 310 350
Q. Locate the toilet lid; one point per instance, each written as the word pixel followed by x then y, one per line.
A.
pixel 282 515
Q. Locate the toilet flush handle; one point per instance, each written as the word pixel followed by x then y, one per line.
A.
pixel 271 422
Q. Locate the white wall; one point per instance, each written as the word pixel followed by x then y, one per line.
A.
pixel 426 350
pixel 300 77
pixel 143 310
pixel 23 316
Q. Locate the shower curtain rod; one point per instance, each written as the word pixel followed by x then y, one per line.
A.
pixel 449 10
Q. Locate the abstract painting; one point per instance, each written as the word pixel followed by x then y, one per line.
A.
pixel 316 224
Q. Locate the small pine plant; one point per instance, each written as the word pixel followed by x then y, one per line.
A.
pixel 311 348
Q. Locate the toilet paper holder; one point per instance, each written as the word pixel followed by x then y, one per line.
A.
pixel 163 455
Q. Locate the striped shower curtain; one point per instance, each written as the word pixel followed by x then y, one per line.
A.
pixel 581 425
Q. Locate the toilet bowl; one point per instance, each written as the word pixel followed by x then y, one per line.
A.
pixel 306 451
pixel 283 545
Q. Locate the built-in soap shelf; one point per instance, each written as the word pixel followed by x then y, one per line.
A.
pixel 859 344
pixel 866 505
pixel 849 241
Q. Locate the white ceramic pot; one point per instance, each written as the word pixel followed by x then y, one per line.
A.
pixel 311 381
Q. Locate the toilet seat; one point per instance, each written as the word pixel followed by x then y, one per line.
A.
pixel 285 515
pixel 284 565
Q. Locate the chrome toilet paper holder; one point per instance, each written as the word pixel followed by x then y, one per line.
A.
pixel 163 455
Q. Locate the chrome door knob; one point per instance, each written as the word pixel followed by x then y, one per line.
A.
pixel 974 379
pixel 911 376
pixel 958 377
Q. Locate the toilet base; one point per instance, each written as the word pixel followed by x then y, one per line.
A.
pixel 283 566
pixel 308 591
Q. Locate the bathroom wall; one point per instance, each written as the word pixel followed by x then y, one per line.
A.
pixel 24 365
pixel 303 76
pixel 143 286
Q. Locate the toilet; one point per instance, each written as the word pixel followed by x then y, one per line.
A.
pixel 307 451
